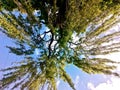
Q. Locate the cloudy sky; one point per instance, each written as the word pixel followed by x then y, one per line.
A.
pixel 83 81
pixel 111 83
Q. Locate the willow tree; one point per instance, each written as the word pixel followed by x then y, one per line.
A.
pixel 49 26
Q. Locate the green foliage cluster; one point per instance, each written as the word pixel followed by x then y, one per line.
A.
pixel 49 26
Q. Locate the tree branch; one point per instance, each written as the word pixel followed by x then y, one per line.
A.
pixel 49 47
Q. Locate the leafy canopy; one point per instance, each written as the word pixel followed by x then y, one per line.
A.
pixel 49 27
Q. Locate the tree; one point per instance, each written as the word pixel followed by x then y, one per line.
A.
pixel 49 26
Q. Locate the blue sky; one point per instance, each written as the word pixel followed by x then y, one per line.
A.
pixel 83 81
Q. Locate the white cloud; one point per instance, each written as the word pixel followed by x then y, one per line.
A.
pixel 53 44
pixel 112 84
pixel 58 82
pixel 90 86
pixel 114 56
pixel 75 38
pixel 77 79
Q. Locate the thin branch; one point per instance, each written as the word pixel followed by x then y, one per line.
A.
pixel 49 47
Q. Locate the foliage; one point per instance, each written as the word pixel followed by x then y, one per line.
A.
pixel 50 26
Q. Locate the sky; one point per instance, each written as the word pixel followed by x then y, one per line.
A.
pixel 111 83
pixel 82 80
